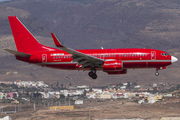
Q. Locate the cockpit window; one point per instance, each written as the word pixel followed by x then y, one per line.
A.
pixel 164 54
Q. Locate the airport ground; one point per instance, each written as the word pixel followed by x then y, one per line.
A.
pixel 108 109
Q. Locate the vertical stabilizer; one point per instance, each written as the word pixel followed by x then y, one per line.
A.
pixel 24 40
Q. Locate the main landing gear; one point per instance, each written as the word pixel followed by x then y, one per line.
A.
pixel 92 73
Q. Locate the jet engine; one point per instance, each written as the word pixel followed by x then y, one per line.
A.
pixel 113 66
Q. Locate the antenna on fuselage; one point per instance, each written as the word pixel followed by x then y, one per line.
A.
pixel 102 48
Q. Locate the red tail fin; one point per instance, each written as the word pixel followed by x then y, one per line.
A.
pixel 25 41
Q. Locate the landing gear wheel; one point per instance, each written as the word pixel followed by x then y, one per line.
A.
pixel 157 73
pixel 94 76
pixel 92 73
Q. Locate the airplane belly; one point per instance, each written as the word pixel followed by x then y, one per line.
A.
pixel 158 64
pixel 62 66
pixel 134 64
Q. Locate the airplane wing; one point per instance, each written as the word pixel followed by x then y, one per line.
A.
pixel 82 59
pixel 20 54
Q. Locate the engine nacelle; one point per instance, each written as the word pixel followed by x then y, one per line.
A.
pixel 113 66
pixel 124 71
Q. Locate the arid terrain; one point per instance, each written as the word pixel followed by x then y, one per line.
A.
pixel 117 109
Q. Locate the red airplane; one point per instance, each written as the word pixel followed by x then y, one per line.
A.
pixel 112 61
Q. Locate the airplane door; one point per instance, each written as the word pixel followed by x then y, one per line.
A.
pixel 102 56
pixel 44 58
pixel 153 55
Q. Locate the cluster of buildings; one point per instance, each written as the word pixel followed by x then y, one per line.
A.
pixel 10 95
pixel 36 84
pixel 66 93
pixel 112 92
pixel 143 97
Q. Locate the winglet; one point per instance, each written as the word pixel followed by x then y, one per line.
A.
pixel 56 41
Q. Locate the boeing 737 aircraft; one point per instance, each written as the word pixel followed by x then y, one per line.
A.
pixel 111 61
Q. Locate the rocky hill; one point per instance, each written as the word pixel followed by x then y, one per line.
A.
pixel 92 24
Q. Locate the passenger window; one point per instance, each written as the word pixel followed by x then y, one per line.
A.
pixel 132 55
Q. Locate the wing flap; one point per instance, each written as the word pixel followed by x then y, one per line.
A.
pixel 20 54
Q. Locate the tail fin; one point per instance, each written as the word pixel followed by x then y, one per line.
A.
pixel 24 40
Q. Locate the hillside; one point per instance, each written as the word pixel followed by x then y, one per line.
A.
pixel 92 24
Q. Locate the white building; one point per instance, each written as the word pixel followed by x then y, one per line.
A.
pixel 79 102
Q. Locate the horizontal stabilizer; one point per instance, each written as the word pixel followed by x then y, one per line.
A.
pixel 20 54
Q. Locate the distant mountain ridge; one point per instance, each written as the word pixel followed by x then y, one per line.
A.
pixel 104 22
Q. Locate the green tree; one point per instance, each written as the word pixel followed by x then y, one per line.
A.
pixel 178 86
pixel 62 96
pixel 128 85
pixel 57 85
pixel 27 93
pixel 37 94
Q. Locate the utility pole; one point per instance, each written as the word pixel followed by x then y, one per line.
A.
pixel 34 106
pixel 59 103
pixel 15 107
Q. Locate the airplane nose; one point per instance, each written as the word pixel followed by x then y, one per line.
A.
pixel 173 59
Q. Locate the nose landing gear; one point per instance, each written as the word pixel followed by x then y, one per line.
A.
pixel 157 73
pixel 92 73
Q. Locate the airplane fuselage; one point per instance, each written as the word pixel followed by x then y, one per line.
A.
pixel 131 58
